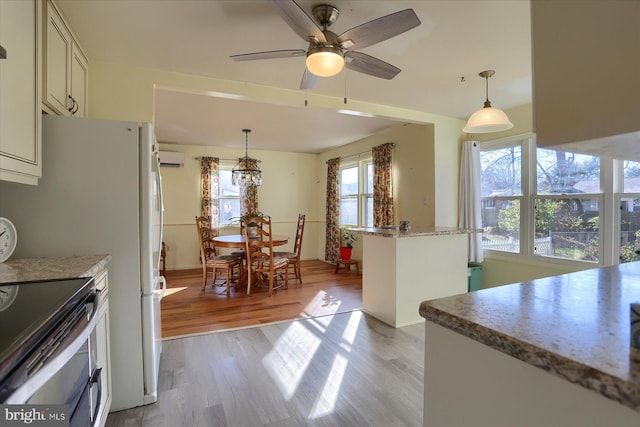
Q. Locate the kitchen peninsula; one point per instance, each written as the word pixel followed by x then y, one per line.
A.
pixel 553 351
pixel 402 268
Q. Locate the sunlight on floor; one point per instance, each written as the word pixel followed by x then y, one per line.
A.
pixel 294 350
pixel 291 355
pixel 171 291
pixel 326 400
pixel 349 334
pixel 322 304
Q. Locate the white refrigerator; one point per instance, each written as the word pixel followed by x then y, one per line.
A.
pixel 101 193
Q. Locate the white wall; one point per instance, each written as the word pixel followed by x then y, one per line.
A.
pixel 296 183
pixel 126 93
pixel 427 162
pixel 413 174
pixel 289 188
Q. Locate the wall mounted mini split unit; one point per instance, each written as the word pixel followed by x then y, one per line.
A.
pixel 172 159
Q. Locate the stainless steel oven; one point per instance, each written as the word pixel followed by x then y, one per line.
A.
pixel 57 365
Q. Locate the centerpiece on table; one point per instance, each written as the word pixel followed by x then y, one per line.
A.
pixel 252 227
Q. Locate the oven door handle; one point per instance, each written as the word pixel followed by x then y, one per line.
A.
pixel 63 352
pixel 96 378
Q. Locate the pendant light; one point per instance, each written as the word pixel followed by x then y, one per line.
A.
pixel 487 119
pixel 242 175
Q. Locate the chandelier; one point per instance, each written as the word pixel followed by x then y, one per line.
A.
pixel 242 174
pixel 487 119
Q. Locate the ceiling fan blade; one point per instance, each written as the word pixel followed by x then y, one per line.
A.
pixel 271 54
pixel 378 30
pixel 298 20
pixel 367 64
pixel 309 80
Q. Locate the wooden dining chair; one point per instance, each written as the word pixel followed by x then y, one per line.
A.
pixel 209 257
pixel 262 262
pixel 294 257
pixel 240 253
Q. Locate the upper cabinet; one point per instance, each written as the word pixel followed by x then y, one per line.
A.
pixel 20 91
pixel 586 64
pixel 66 70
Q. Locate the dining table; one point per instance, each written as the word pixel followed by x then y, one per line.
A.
pixel 237 241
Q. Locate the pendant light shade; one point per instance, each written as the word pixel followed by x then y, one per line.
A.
pixel 487 119
pixel 325 61
pixel 243 174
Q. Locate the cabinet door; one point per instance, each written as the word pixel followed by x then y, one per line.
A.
pixel 104 359
pixel 57 62
pixel 20 85
pixel 103 346
pixel 79 82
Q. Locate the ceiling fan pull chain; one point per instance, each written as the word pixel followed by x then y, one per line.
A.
pixel 305 98
pixel 345 86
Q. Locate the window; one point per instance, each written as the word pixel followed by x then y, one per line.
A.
pixel 549 203
pixel 567 214
pixel 501 193
pixel 228 197
pixel 356 194
pixel 367 196
pixel 629 220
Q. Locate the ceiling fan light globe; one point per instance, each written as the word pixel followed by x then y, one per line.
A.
pixel 487 120
pixel 324 63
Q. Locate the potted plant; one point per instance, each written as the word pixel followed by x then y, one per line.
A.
pixel 347 238
pixel 252 227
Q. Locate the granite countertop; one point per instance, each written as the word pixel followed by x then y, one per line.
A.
pixel 413 232
pixel 25 269
pixel 575 326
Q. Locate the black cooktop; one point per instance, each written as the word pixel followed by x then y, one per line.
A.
pixel 30 310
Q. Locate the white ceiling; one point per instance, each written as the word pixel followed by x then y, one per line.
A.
pixel 457 38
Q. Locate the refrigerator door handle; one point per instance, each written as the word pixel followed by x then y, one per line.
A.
pixel 160 203
pixel 162 280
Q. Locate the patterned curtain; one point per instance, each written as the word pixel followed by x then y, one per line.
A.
pixel 332 240
pixel 209 167
pixel 249 194
pixel 382 185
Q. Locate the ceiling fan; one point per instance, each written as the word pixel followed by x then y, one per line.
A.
pixel 328 52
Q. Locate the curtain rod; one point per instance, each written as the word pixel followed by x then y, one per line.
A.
pixel 393 144
pixel 236 159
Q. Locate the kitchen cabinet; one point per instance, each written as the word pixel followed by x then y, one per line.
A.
pixel 585 76
pixel 66 68
pixel 103 346
pixel 20 91
pixel 79 81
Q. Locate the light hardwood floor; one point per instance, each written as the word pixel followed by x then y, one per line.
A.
pixel 346 369
pixel 187 309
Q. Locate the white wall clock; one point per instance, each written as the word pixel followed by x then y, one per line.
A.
pixel 8 239
pixel 8 294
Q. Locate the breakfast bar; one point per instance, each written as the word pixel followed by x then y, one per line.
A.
pixel 553 351
pixel 402 268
